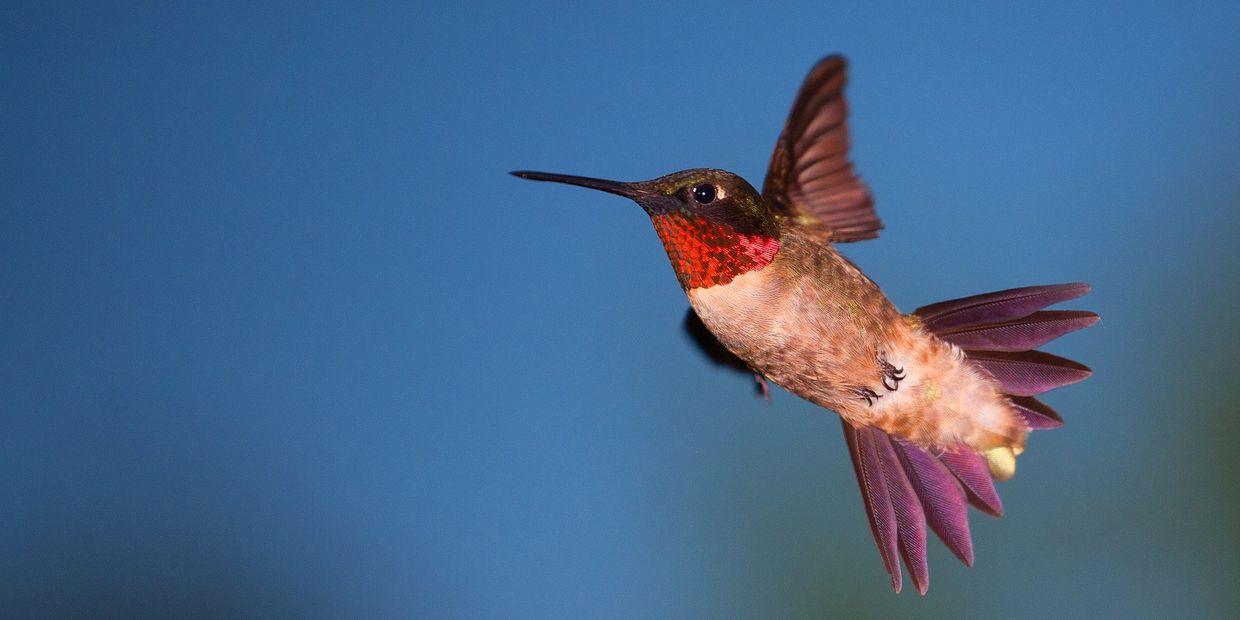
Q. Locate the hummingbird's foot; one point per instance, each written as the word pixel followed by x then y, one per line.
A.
pixel 869 395
pixel 764 389
pixel 892 376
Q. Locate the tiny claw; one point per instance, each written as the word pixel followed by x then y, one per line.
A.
pixel 892 376
pixel 869 395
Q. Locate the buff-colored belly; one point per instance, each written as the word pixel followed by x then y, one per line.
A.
pixel 822 348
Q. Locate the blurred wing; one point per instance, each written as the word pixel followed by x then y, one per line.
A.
pixel 709 346
pixel 713 350
pixel 810 179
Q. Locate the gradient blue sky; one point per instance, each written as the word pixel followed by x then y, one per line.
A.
pixel 281 338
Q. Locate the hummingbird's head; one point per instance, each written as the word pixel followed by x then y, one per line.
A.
pixel 713 223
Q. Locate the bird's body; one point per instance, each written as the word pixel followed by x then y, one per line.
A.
pixel 812 323
pixel 934 403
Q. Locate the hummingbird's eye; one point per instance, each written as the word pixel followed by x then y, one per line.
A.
pixel 704 193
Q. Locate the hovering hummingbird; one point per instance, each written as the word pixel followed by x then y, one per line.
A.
pixel 935 404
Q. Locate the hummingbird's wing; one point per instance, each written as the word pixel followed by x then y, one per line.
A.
pixel 810 180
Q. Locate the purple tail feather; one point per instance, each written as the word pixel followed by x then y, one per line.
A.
pixel 904 488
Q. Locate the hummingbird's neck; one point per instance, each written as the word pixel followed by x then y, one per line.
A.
pixel 708 253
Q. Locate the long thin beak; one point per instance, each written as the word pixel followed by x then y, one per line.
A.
pixel 651 201
pixel 628 190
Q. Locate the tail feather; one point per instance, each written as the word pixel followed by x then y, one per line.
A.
pixel 944 500
pixel 974 475
pixel 990 308
pixel 1023 334
pixel 872 478
pixel 905 487
pixel 1037 414
pixel 896 516
pixel 1029 373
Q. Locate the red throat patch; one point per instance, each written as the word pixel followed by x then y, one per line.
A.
pixel 707 253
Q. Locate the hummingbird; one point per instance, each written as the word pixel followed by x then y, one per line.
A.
pixel 935 404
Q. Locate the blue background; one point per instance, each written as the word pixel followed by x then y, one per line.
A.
pixel 281 338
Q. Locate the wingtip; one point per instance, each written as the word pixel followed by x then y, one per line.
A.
pixel 834 58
